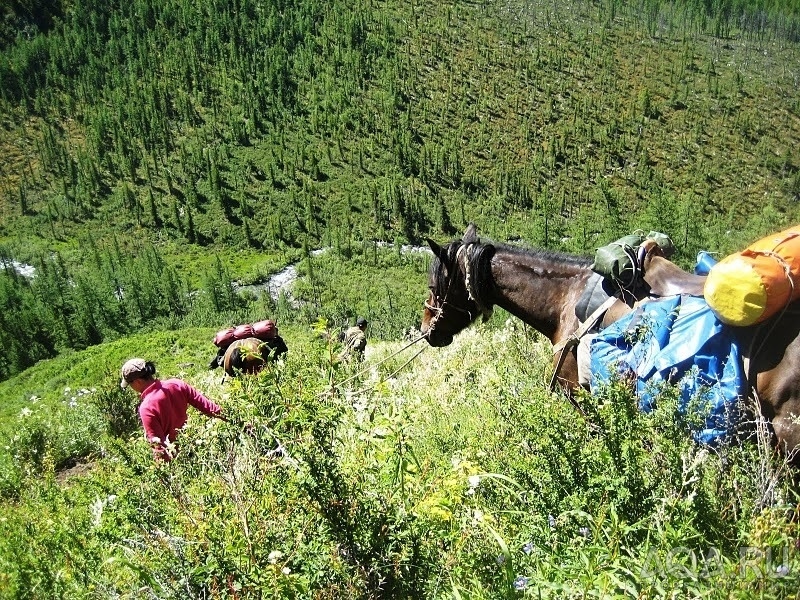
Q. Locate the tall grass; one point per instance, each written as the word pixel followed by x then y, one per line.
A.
pixel 455 476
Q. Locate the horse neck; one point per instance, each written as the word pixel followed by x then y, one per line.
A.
pixel 541 289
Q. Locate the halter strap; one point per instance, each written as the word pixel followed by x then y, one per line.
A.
pixel 466 252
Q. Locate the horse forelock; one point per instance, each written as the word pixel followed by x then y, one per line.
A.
pixel 480 275
pixel 444 270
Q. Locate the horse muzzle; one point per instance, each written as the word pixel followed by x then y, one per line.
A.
pixel 437 339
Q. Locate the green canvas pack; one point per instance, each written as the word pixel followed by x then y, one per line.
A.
pixel 618 260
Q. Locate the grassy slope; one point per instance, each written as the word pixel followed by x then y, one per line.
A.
pixel 608 126
pixel 395 456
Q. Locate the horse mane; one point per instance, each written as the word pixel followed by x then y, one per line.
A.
pixel 479 267
pixel 481 282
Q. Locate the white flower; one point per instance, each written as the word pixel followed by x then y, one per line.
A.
pixel 474 481
pixel 96 509
pixel 25 412
pixel 274 556
pixel 286 570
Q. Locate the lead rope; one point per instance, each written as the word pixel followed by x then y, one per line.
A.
pixel 392 374
pixel 383 360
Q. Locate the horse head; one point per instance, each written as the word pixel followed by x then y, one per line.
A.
pixel 455 281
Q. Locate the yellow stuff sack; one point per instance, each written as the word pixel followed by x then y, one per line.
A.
pixel 752 285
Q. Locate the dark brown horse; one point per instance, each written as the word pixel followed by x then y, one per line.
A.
pixel 249 355
pixel 468 278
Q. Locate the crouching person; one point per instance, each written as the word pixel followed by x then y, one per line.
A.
pixel 354 341
pixel 164 405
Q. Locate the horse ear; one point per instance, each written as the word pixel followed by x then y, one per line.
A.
pixel 471 234
pixel 437 249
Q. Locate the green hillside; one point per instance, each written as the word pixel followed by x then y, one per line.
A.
pixel 255 125
pixel 226 140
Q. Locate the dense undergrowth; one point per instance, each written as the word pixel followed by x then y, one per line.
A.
pixel 454 476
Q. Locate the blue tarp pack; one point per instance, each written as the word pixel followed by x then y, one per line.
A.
pixel 677 340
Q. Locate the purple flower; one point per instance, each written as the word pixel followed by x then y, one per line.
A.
pixel 527 547
pixel 520 583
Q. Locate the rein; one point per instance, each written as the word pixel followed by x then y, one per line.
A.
pixel 364 370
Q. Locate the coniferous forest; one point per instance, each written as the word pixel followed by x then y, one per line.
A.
pixel 186 144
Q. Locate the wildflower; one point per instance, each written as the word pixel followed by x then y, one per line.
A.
pixel 782 570
pixel 551 520
pixel 584 531
pixel 25 412
pixel 520 583
pixel 286 570
pixel 73 403
pixel 34 398
pixel 274 556
pixel 67 391
pixel 527 547
pixel 474 481
pixel 97 512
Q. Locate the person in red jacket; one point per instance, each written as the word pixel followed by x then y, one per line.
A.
pixel 164 405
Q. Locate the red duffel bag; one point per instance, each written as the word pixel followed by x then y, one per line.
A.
pixel 241 332
pixel 265 330
pixel 224 337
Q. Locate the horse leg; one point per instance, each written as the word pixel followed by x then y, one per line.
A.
pixel 779 395
pixel 567 375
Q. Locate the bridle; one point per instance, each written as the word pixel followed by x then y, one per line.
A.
pixel 442 303
pixel 438 311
